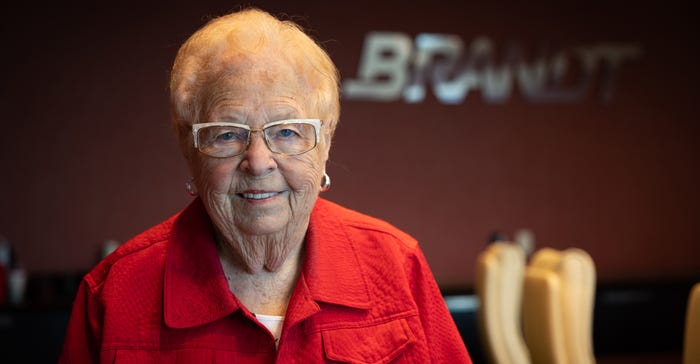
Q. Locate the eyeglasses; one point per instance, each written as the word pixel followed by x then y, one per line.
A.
pixel 285 137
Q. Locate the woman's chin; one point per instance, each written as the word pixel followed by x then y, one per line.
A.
pixel 267 225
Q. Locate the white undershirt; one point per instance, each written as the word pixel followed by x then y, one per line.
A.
pixel 273 323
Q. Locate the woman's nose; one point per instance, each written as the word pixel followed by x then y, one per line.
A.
pixel 257 160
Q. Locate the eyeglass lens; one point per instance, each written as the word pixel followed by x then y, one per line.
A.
pixel 287 138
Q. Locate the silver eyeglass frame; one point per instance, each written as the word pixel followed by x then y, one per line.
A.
pixel 316 123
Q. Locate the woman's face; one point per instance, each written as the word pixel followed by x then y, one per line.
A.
pixel 259 192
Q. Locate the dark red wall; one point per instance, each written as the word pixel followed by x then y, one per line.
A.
pixel 87 154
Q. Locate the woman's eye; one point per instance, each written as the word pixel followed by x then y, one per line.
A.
pixel 226 136
pixel 231 136
pixel 286 133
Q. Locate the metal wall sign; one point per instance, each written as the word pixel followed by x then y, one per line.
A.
pixel 394 67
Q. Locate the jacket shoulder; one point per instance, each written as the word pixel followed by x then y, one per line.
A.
pixel 145 249
pixel 358 223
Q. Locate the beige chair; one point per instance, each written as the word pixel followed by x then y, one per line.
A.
pixel 691 346
pixel 558 305
pixel 499 285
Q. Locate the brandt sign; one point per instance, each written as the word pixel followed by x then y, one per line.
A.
pixel 393 67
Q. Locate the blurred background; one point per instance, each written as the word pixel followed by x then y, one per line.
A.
pixel 460 120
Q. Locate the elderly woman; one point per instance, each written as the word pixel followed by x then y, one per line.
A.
pixel 258 268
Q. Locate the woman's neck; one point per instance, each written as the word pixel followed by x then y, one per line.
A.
pixel 258 253
pixel 262 279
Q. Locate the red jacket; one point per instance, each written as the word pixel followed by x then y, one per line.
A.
pixel 365 295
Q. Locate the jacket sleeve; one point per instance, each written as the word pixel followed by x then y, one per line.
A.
pixel 82 340
pixel 445 342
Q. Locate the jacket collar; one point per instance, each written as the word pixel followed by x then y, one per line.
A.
pixel 195 287
pixel 196 291
pixel 332 270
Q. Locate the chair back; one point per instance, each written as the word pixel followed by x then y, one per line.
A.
pixel 691 345
pixel 499 287
pixel 558 306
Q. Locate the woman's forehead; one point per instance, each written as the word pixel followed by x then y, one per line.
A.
pixel 260 75
pixel 256 110
pixel 267 83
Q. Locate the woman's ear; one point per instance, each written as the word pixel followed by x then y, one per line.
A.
pixel 326 146
pixel 327 138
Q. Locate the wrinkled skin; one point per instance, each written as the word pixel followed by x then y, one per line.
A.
pixel 259 233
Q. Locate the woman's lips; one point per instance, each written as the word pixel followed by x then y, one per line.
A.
pixel 258 195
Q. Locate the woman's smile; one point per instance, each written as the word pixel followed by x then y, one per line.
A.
pixel 259 196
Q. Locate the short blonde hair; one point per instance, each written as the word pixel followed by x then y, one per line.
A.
pixel 212 50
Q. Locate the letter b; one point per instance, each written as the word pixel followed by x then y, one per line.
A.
pixel 383 68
